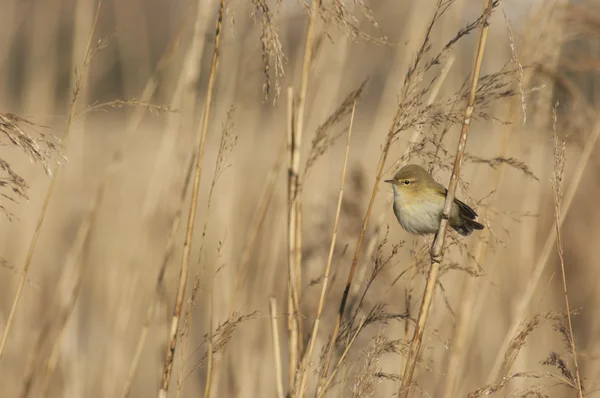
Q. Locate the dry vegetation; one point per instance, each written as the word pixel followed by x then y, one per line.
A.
pixel 191 199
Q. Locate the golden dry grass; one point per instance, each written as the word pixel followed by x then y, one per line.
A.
pixel 97 303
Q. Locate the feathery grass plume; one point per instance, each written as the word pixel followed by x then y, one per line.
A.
pixel 221 336
pixel 323 139
pixel 365 375
pixel 336 12
pixel 556 361
pixel 272 52
pixel 499 160
pixel 518 342
pixel 517 64
pixel 496 387
pixel 119 103
pixel 38 147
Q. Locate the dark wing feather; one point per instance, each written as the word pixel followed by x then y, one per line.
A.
pixel 465 210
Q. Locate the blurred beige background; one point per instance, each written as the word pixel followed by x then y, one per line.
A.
pixel 41 41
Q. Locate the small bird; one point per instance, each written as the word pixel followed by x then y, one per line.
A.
pixel 419 204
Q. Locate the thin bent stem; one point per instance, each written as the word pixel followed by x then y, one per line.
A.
pixel 168 365
pixel 313 336
pixel 437 247
pixel 55 172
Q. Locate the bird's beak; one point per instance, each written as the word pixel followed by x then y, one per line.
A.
pixel 391 181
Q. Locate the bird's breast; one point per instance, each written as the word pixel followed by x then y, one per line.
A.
pixel 418 215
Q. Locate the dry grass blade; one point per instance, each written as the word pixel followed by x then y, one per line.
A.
pixel 12 128
pixel 557 180
pixel 292 219
pixel 276 347
pixel 315 330
pixel 158 284
pixel 295 134
pixel 203 128
pixel 90 51
pixel 437 247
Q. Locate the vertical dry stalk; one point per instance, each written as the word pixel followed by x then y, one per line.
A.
pixel 437 247
pixel 157 285
pixel 209 358
pixel 296 192
pixel 55 173
pixel 470 293
pixel 293 300
pixel 203 128
pixel 276 347
pixel 469 289
pixel 559 162
pixel 313 336
pixel 408 83
pixel 524 301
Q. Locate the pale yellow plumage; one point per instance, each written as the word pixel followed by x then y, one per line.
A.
pixel 419 203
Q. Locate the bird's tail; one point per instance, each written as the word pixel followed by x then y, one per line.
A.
pixel 467 227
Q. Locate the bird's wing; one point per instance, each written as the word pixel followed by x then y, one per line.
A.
pixel 465 210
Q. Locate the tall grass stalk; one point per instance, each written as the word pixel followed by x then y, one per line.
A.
pixel 292 219
pixel 557 180
pixel 276 347
pixel 315 330
pixel 408 85
pixel 203 128
pixel 438 243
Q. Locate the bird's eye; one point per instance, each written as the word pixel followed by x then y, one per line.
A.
pixel 406 182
